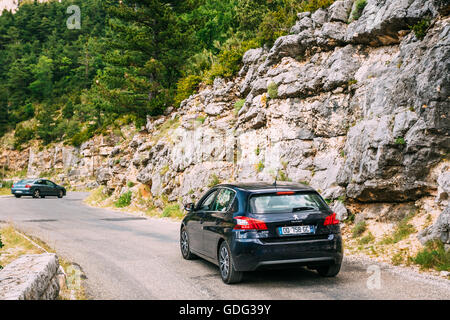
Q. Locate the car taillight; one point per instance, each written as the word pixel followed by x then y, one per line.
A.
pixel 27 186
pixel 331 220
pixel 12 186
pixel 246 223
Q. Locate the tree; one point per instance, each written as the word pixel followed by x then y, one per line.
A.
pixel 42 86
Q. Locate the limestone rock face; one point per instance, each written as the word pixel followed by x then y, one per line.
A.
pixel 30 277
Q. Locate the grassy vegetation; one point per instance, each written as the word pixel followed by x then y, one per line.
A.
pixel 213 180
pixel 238 105
pixel 5 188
pixel 398 258
pixel 359 7
pixel 164 170
pixel 272 90
pixel 96 196
pixel 359 229
pixel 14 245
pixel 5 191
pixel 369 238
pixel 172 211
pixel 170 124
pixel 124 200
pixel 433 256
pixel 130 184
pixel 402 231
pixel 200 119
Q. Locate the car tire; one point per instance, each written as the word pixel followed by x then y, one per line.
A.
pixel 17 195
pixel 60 194
pixel 226 265
pixel 36 193
pixel 185 245
pixel 329 271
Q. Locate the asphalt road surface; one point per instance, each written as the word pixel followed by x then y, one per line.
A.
pixel 128 257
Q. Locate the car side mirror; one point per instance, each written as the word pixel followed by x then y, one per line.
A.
pixel 189 207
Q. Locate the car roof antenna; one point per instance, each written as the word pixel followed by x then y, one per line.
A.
pixel 276 178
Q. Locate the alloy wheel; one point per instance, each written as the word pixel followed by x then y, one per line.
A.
pixel 184 243
pixel 224 262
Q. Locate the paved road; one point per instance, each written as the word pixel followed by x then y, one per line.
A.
pixel 126 257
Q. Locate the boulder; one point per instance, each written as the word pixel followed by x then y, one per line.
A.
pixel 340 210
pixel 440 230
pixel 103 176
pixel 340 10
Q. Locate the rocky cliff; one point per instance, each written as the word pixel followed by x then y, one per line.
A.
pixel 358 110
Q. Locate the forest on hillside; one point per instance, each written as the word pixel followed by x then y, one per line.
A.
pixel 129 59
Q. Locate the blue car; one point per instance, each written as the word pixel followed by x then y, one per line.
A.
pixel 37 188
pixel 250 226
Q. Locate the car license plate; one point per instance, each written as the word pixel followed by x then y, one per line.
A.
pixel 18 191
pixel 285 231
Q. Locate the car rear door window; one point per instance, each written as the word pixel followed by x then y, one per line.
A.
pixel 50 184
pixel 275 203
pixel 224 200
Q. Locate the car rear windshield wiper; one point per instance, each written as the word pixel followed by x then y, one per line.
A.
pixel 302 209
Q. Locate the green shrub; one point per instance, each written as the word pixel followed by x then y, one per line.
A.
pixel 350 218
pixel 130 184
pixel 359 7
pixel 313 5
pixel 420 28
pixel 272 90
pixel 186 87
pixel 124 200
pixel 229 60
pixel 400 141
pixel 359 229
pixel 260 166
pixel 6 184
pixel 172 211
pixel 238 105
pixel 433 256
pixel 22 135
pixel 81 137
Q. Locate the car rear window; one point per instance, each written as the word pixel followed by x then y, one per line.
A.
pixel 25 181
pixel 280 203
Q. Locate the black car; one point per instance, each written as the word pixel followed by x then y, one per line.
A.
pixel 37 188
pixel 249 226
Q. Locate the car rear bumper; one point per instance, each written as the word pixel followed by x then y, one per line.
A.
pixel 252 254
pixel 22 192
